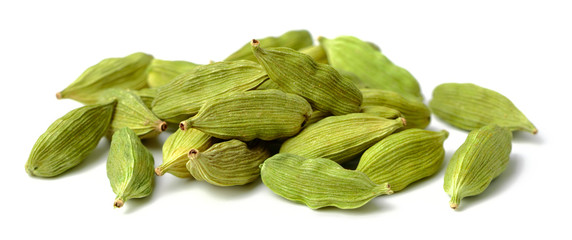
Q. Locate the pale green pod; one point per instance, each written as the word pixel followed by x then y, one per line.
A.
pixel 318 182
pixel 184 96
pixel 316 116
pixel 350 54
pixel 403 158
pixel 417 113
pixel 227 163
pixel 263 114
pixel 482 157
pixel 321 85
pixel 382 111
pixel 295 39
pixel 162 72
pixel 69 140
pixel 176 149
pixel 129 167
pixel 468 106
pixel 129 72
pixel 316 52
pixel 147 95
pixel 341 138
pixel 131 112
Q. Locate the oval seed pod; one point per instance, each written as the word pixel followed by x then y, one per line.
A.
pixel 176 149
pixel 316 52
pixel 382 111
pixel 318 182
pixel 131 112
pixel 129 167
pixel 227 163
pixel 350 54
pixel 129 72
pixel 468 106
pixel 162 72
pixel 295 39
pixel 69 140
pixel 183 96
pixel 403 158
pixel 263 114
pixel 482 157
pixel 341 138
pixel 416 113
pixel 147 95
pixel 321 85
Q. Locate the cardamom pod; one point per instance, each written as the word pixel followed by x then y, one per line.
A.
pixel 403 158
pixel 482 157
pixel 468 106
pixel 147 95
pixel 183 96
pixel 295 39
pixel 417 114
pixel 227 163
pixel 316 116
pixel 321 85
pixel 341 138
pixel 129 72
pixel 382 111
pixel 318 182
pixel 131 112
pixel 69 140
pixel 263 114
pixel 316 52
pixel 162 72
pixel 350 54
pixel 129 167
pixel 176 149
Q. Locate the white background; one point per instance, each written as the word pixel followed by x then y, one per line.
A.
pixel 521 49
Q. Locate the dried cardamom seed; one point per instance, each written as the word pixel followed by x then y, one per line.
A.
pixel 295 39
pixel 129 167
pixel 162 72
pixel 483 156
pixel 69 140
pixel 468 106
pixel 416 113
pixel 318 182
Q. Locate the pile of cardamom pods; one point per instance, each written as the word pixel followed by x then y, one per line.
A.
pixel 297 114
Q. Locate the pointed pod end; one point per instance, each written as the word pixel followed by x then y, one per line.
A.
pixel 388 191
pixel 535 131
pixel 404 121
pixel 59 95
pixel 183 125
pixel 163 126
pixel 454 206
pixel 193 153
pixel 254 43
pixel 159 171
pixel 118 203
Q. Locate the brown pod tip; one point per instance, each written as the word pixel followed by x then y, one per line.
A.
pixel 535 131
pixel 193 153
pixel 159 171
pixel 254 43
pixel 404 121
pixel 163 126
pixel 118 203
pixel 59 95
pixel 454 205
pixel 183 126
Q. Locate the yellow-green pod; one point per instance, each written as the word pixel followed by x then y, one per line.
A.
pixel 295 39
pixel 482 157
pixel 129 167
pixel 403 158
pixel 147 95
pixel 316 52
pixel 162 72
pixel 468 106
pixel 318 182
pixel 69 140
pixel 177 147
pixel 416 112
pixel 129 72
pixel 382 111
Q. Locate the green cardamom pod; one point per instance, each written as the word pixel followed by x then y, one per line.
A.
pixel 268 84
pixel 263 114
pixel 227 163
pixel 468 106
pixel 318 182
pixel 382 111
pixel 129 72
pixel 316 52
pixel 321 85
pixel 403 158
pixel 316 116
pixel 147 95
pixel 129 167
pixel 69 140
pixel 350 54
pixel 176 149
pixel 295 39
pixel 183 96
pixel 162 72
pixel 482 157
pixel 341 138
pixel 417 114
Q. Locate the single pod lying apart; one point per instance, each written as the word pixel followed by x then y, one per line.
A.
pixel 403 158
pixel 263 114
pixel 131 112
pixel 416 113
pixel 162 72
pixel 129 167
pixel 318 182
pixel 176 149
pixel 341 138
pixel 69 140
pixel 127 73
pixel 227 163
pixel 320 84
pixel 295 39
pixel 483 156
pixel 468 106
